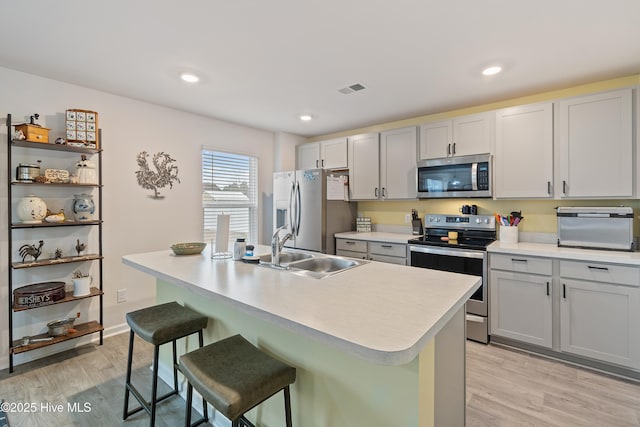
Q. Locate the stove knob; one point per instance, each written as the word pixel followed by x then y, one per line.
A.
pixel 486 220
pixel 430 219
pixel 438 219
pixel 478 220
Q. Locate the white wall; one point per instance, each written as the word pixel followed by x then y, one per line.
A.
pixel 132 221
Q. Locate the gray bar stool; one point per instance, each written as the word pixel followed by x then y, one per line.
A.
pixel 159 325
pixel 234 377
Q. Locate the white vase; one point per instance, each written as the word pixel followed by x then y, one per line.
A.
pixel 83 207
pixel 31 209
pixel 82 286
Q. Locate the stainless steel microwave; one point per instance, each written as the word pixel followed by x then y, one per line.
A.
pixel 463 177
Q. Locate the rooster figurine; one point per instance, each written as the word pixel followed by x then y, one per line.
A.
pixel 31 250
pixel 79 246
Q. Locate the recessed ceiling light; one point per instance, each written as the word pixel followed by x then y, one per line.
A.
pixel 490 71
pixel 305 117
pixel 189 78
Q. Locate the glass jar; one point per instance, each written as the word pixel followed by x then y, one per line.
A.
pixel 239 248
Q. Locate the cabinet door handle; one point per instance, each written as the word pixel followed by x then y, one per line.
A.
pixel 453 151
pixel 564 291
pixel 386 246
pixel 376 192
pixel 593 267
pixel 518 260
pixel 348 242
pixel 448 149
pixel 547 288
pixel 322 163
pixel 549 187
pixel 316 163
pixel 564 187
pixel 384 192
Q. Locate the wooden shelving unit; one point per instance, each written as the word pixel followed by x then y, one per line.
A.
pixel 79 330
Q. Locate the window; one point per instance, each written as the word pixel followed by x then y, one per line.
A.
pixel 230 186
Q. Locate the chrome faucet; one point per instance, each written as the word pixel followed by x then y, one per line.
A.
pixel 277 245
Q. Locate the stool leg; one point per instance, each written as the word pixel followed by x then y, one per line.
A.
pixel 187 416
pixel 128 380
pixel 287 406
pixel 205 410
pixel 154 387
pixel 175 368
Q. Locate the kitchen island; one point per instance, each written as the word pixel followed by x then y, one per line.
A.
pixel 375 345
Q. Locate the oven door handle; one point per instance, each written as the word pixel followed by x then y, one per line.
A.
pixel 449 252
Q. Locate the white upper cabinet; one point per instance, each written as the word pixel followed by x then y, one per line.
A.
pixel 333 154
pixel 524 152
pixel 330 154
pixel 595 146
pixel 383 166
pixel 398 163
pixel 364 161
pixel 308 156
pixel 465 135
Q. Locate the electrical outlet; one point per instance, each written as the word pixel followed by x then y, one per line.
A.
pixel 122 295
pixel 407 219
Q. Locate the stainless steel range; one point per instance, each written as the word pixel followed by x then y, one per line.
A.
pixel 458 243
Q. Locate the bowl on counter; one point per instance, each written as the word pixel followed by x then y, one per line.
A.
pixel 191 248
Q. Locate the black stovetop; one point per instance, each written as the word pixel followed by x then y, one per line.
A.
pixel 467 239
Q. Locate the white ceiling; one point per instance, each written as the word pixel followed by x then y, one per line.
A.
pixel 264 62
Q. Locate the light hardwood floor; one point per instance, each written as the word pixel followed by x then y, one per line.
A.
pixel 504 388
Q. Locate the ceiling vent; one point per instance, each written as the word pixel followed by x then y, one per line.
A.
pixel 351 89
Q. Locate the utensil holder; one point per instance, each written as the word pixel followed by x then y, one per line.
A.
pixel 508 234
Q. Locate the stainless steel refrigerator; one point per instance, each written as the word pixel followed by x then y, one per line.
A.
pixel 300 202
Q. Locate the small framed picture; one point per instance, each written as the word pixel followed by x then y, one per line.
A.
pixel 91 127
pixel 81 136
pixel 71 125
pixel 91 136
pixel 81 126
pixel 71 115
pixel 80 116
pixel 71 135
pixel 91 117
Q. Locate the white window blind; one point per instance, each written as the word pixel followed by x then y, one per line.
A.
pixel 230 186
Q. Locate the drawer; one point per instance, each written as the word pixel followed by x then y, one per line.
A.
pixel 351 254
pixel 599 272
pixel 389 259
pixel 521 264
pixel 388 249
pixel 351 245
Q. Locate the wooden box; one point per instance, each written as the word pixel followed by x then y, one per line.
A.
pixel 34 133
pixel 82 128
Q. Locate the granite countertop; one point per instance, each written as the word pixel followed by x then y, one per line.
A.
pixel 376 236
pixel 383 313
pixel 576 254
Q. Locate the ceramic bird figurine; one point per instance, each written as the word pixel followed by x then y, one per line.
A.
pixel 79 246
pixel 31 250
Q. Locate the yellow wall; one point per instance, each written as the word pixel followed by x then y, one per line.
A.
pixel 539 214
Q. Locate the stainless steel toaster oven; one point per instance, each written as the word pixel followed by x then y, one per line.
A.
pixel 596 227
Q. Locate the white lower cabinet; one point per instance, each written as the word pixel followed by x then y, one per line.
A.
pixel 521 302
pixel 393 253
pixel 594 312
pixel 600 320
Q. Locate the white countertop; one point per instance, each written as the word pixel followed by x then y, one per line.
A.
pixel 553 251
pixel 376 236
pixel 383 313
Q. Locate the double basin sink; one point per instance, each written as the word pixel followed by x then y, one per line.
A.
pixel 311 265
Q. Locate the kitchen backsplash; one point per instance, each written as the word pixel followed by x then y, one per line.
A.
pixel 539 215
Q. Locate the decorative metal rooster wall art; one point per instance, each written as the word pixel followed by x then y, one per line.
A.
pixel 166 172
pixel 31 250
